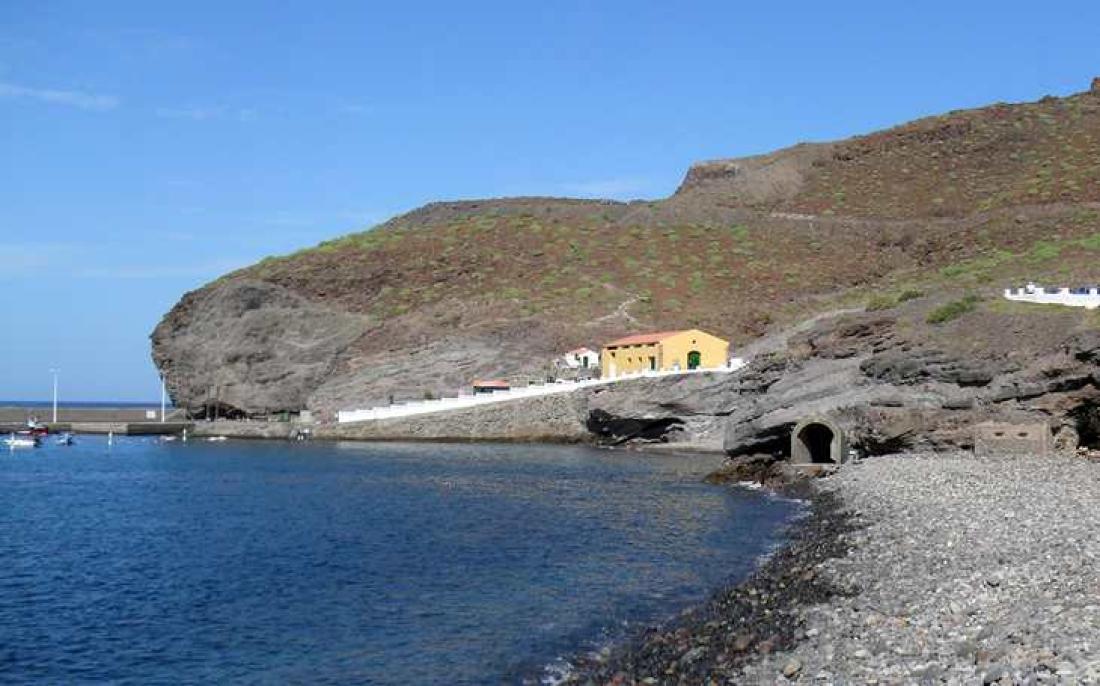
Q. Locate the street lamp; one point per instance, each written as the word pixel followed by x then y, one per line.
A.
pixel 55 371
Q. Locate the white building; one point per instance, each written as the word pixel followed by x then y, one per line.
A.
pixel 581 358
pixel 1084 296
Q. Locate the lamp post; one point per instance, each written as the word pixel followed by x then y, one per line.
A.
pixel 55 371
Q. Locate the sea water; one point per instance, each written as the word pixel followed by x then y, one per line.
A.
pixel 149 562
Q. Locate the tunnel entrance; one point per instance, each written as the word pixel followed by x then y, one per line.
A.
pixel 817 441
pixel 1086 419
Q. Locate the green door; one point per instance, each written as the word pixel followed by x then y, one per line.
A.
pixel 694 359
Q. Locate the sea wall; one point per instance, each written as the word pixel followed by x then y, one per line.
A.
pixel 553 418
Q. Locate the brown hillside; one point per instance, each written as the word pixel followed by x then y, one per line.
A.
pixel 452 291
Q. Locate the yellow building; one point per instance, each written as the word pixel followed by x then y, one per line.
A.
pixel 663 351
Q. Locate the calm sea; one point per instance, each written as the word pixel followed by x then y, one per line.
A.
pixel 81 404
pixel 269 562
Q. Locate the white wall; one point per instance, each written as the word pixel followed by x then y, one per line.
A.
pixel 1055 296
pixel 464 401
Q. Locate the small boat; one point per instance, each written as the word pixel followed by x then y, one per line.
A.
pixel 214 439
pixel 36 429
pixel 22 441
pixel 65 439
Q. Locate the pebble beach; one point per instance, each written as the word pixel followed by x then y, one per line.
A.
pixel 916 569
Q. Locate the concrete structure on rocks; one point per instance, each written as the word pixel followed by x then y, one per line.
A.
pixel 817 440
pixel 999 438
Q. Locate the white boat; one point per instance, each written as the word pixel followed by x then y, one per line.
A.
pixel 213 439
pixel 65 439
pixel 14 441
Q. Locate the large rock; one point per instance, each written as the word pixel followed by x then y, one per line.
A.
pixel 250 346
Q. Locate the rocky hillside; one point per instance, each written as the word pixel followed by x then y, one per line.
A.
pixel 938 209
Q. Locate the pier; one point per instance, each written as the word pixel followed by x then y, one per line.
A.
pixel 121 421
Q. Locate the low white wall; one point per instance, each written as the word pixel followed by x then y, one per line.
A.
pixel 463 401
pixel 1088 298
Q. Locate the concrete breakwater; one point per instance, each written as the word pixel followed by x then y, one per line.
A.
pixel 16 414
pixel 134 421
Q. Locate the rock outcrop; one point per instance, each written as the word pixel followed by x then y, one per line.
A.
pixel 892 393
pixel 758 179
pixel 249 345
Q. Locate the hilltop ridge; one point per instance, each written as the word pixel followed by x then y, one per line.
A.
pixel 451 291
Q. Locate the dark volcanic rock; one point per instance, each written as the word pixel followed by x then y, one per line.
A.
pixel 762 469
pixel 912 366
pixel 889 393
pixel 844 337
pixel 620 430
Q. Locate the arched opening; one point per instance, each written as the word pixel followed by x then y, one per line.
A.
pixel 695 359
pixel 817 440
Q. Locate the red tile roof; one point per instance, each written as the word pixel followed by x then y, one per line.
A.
pixel 492 383
pixel 644 338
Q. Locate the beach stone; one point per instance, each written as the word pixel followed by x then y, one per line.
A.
pixel 792 668
pixel 994 674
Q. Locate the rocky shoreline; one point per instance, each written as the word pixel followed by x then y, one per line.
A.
pixel 925 568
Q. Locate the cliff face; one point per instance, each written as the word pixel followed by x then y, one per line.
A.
pixel 966 202
pixel 247 344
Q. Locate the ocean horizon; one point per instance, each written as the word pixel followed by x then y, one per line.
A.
pixel 83 403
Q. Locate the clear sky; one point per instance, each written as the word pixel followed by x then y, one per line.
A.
pixel 147 147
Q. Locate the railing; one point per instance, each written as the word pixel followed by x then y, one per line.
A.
pixel 418 407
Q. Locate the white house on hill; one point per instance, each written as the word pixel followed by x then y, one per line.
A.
pixel 1083 296
pixel 581 358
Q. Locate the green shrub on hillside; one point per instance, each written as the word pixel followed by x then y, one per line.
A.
pixel 880 302
pixel 739 232
pixel 952 310
pixel 1045 250
pixel 1090 242
pixel 884 301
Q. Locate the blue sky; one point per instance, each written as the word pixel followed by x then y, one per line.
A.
pixel 146 148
